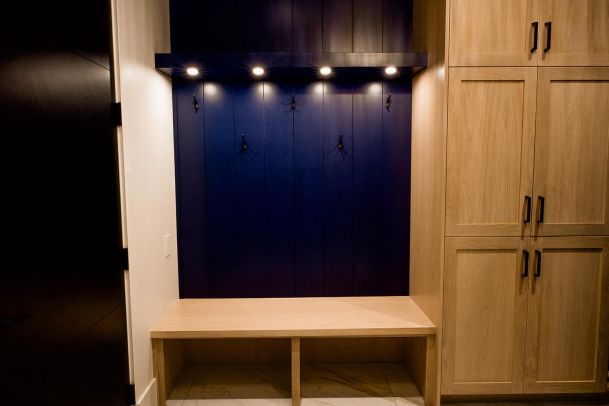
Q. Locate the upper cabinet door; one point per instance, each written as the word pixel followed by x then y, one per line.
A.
pixel 494 32
pixel 568 315
pixel 571 184
pixel 578 35
pixel 485 302
pixel 490 151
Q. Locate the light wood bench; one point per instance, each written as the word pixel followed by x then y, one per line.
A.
pixel 314 322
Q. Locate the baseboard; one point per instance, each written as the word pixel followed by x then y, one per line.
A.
pixel 148 398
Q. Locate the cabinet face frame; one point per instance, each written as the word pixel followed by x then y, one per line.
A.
pixel 474 26
pixel 536 311
pixel 458 124
pixel 544 145
pixel 579 33
pixel 450 385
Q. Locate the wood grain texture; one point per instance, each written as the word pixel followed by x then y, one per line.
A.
pixel 213 351
pixel 295 371
pixel 572 151
pixel 491 135
pixel 493 32
pixel 293 317
pixel 568 317
pixel 337 26
pixel 367 26
pixel 580 33
pixel 485 300
pixel 358 349
pixel 307 26
pixel 168 363
pixel 428 167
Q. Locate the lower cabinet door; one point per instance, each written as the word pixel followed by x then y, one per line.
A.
pixel 568 315
pixel 485 306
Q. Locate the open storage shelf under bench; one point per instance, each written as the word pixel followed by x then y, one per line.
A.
pixel 294 347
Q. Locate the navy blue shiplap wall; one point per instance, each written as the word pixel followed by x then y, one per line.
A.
pixel 293 215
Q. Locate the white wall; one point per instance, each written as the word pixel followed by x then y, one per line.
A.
pixel 141 28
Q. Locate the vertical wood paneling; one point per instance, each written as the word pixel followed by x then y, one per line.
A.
pixel 397 25
pixel 250 201
pixel 220 158
pixel 395 204
pixel 190 188
pixel 338 190
pixel 203 25
pixel 308 189
pixel 367 26
pixel 307 26
pixel 367 165
pixel 275 24
pixel 279 178
pixel 338 26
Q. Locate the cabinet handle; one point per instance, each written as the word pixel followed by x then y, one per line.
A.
pixel 548 36
pixel 525 268
pixel 537 263
pixel 542 207
pixel 527 218
pixel 535 26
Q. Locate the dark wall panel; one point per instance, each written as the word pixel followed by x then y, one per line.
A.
pixel 367 26
pixel 397 26
pixel 279 184
pixel 395 198
pixel 309 158
pixel 367 187
pixel 220 161
pixel 191 185
pixel 249 246
pixel 307 26
pixel 338 189
pixel 338 26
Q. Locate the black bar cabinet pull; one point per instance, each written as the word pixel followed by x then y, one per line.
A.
pixel 535 35
pixel 537 263
pixel 525 267
pixel 542 207
pixel 548 36
pixel 527 218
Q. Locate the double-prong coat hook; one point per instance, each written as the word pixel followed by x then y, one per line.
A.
pixel 243 148
pixel 293 103
pixel 195 103
pixel 388 102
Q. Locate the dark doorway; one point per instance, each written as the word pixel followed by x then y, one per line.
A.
pixel 63 330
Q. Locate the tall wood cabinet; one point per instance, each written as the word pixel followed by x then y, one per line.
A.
pixel 526 271
pixel 529 33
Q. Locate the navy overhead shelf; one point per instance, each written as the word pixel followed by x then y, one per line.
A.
pixel 291 65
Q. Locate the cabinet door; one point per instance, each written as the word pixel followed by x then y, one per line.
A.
pixel 572 152
pixel 568 317
pixel 493 32
pixel 491 126
pixel 485 304
pixel 579 33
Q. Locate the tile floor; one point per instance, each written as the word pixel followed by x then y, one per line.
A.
pixel 321 385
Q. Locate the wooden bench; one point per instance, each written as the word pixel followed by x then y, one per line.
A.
pixel 225 330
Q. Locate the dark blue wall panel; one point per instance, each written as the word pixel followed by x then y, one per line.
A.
pixel 249 160
pixel 367 187
pixel 338 189
pixel 220 154
pixel 308 189
pixel 279 184
pixel 395 198
pixel 190 185
pixel 271 203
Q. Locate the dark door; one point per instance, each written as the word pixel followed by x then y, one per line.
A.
pixel 63 331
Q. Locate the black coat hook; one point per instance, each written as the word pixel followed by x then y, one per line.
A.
pixel 195 103
pixel 293 104
pixel 341 144
pixel 243 149
pixel 388 102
